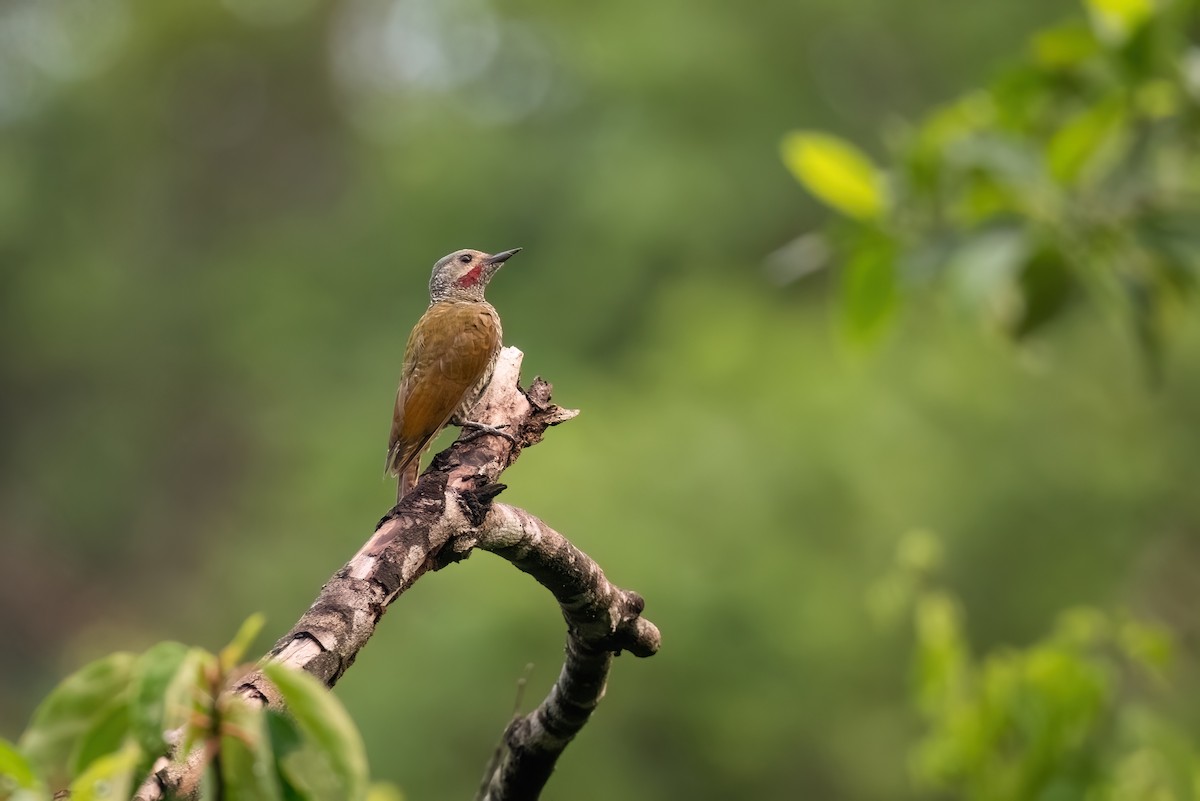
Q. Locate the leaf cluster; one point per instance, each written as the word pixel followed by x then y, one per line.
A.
pixel 1071 177
pixel 1069 716
pixel 99 732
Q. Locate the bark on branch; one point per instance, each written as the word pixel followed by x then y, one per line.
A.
pixel 602 621
pixel 448 514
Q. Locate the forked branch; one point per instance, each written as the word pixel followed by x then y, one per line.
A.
pixel 447 515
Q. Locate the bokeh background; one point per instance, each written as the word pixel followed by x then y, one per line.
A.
pixel 216 227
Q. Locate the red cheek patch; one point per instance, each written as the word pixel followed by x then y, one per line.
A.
pixel 471 277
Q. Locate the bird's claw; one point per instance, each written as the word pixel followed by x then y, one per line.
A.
pixel 478 429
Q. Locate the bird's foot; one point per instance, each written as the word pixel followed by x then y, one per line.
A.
pixel 479 429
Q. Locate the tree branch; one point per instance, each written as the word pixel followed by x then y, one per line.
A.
pixel 448 513
pixel 602 620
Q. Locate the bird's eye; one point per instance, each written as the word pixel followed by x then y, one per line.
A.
pixel 465 258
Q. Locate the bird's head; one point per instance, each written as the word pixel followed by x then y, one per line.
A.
pixel 464 274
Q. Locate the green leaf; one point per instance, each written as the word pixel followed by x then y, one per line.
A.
pixel 1164 767
pixel 16 772
pixel 188 694
pixel 1047 288
pixel 1158 99
pixel 108 778
pixel 942 658
pixel 247 759
pixel 70 710
pixel 105 736
pixel 837 173
pixel 869 289
pixel 1082 627
pixel 154 673
pixel 1002 176
pixel 1150 646
pixel 1116 20
pixel 1173 247
pixel 231 655
pixel 983 269
pixel 326 724
pixel 301 777
pixel 383 791
pixel 1064 46
pixel 1080 143
pixel 956 121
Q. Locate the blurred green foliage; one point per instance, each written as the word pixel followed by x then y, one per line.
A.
pixel 98 733
pixel 216 226
pixel 1072 175
pixel 1070 716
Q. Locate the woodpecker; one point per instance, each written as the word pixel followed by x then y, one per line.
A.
pixel 448 361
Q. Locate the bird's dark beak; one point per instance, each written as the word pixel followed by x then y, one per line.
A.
pixel 502 257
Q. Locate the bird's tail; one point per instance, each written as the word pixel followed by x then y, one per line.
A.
pixel 407 479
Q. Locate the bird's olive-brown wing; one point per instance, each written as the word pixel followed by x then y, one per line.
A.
pixel 447 354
